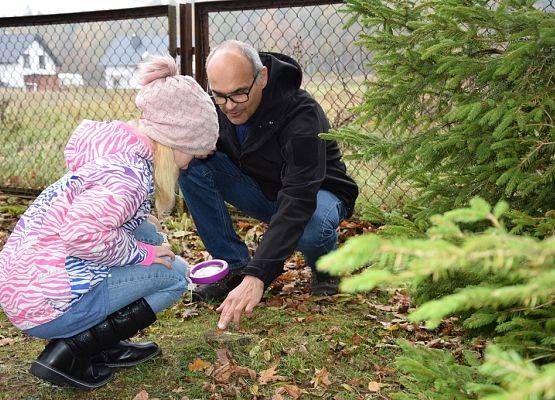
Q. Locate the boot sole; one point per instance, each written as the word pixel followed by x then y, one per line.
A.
pixel 59 378
pixel 132 364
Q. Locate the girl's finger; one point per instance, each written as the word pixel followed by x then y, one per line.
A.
pixel 165 263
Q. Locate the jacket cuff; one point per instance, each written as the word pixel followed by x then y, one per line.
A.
pixel 150 253
pixel 266 275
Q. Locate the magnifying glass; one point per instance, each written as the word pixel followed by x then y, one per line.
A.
pixel 208 272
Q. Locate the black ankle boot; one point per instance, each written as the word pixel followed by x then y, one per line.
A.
pixel 323 284
pixel 57 362
pixel 127 354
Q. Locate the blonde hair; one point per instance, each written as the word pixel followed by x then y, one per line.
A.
pixel 166 173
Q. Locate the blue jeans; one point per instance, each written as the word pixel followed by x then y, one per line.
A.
pixel 161 288
pixel 208 183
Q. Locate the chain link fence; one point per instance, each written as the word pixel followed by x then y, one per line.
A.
pixel 57 70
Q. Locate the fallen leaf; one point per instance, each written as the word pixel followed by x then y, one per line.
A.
pixel 244 224
pixel 382 307
pixel 275 301
pixel 254 390
pixel 198 365
pixel 355 382
pixel 222 373
pixel 209 387
pixel 189 313
pixel 267 355
pixel 334 329
pixel 288 288
pixel 223 355
pixel 357 339
pixel 142 395
pixel 374 386
pixel 244 371
pixel 383 370
pixel 293 391
pixel 7 342
pixel 179 234
pixel 269 375
pixel 321 378
pixel 297 349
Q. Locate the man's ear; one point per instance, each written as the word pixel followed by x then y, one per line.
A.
pixel 264 77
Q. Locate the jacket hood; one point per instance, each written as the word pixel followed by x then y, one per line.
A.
pixel 285 74
pixel 284 79
pixel 92 140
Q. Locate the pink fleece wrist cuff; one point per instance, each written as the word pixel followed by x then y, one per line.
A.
pixel 150 253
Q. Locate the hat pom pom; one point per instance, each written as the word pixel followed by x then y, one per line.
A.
pixel 156 67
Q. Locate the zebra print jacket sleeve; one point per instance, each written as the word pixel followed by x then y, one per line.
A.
pixel 93 225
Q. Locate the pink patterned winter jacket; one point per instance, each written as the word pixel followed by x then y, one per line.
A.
pixel 80 226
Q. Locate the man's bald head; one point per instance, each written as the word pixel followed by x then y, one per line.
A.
pixel 241 49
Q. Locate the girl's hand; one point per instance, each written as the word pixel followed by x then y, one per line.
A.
pixel 163 251
pixel 151 218
pixel 202 156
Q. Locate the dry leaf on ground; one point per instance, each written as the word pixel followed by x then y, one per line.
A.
pixel 198 365
pixel 226 367
pixel 374 386
pixel 269 375
pixel 291 390
pixel 142 395
pixel 357 339
pixel 7 342
pixel 321 378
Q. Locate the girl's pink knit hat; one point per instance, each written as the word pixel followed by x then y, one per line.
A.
pixel 177 112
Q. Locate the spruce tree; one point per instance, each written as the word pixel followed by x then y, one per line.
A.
pixel 519 303
pixel 460 108
pixel 461 101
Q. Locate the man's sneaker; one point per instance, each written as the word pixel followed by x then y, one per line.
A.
pixel 323 284
pixel 219 290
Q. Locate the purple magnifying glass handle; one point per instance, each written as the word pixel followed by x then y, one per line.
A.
pixel 208 272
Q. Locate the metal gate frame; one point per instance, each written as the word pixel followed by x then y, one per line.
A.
pixel 202 32
pixel 101 15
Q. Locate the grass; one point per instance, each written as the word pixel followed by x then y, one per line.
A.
pixel 280 335
pixel 325 348
pixel 34 128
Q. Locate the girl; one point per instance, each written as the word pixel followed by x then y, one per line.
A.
pixel 83 266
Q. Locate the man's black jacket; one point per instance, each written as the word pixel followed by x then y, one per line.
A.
pixel 283 153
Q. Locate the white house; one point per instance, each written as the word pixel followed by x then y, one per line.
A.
pixel 71 79
pixel 124 54
pixel 26 61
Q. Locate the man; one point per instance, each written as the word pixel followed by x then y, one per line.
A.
pixel 271 165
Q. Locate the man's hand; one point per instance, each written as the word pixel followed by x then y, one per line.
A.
pixel 244 297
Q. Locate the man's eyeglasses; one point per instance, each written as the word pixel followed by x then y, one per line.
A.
pixel 221 99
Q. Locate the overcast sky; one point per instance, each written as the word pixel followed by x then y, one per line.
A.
pixel 10 8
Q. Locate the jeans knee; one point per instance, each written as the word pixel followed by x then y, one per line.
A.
pixel 180 266
pixel 196 173
pixel 178 285
pixel 320 232
pixel 322 238
pixel 176 278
